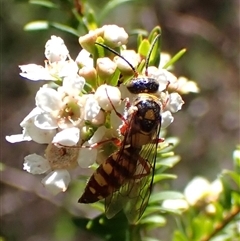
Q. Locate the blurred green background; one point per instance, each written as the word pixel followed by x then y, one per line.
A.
pixel 208 125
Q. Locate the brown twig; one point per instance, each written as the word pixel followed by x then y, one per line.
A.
pixel 233 212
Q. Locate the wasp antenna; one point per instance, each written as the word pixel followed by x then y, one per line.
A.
pixel 150 52
pixel 117 54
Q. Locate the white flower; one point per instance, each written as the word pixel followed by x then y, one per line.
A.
pixel 35 72
pixel 36 164
pixel 31 131
pixel 98 135
pixel 88 153
pixel 61 111
pixel 56 50
pixel 48 99
pixel 167 119
pixel 131 56
pixel 175 102
pixel 184 86
pixel 87 156
pixel 178 204
pixel 91 108
pixel 73 84
pixel 84 59
pixel 105 67
pixel 108 96
pixel 215 189
pixel 114 36
pixel 196 190
pixel 162 76
pixel 67 137
pixel 57 181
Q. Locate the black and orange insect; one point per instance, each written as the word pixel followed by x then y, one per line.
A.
pixel 125 178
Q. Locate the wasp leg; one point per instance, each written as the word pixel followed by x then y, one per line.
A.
pixel 115 140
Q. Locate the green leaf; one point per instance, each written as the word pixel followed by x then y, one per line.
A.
pixel 200 227
pixel 162 176
pixel 178 236
pixel 235 176
pixel 115 78
pixel 64 28
pixel 160 196
pixel 167 162
pixel 91 22
pixel 144 48
pixel 153 221
pixel 154 57
pixel 36 25
pixel 44 3
pixel 140 33
pixel 175 58
pixel 154 33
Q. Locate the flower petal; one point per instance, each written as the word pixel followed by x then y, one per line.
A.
pixel 46 122
pixel 91 108
pixel 35 72
pixel 105 93
pixel 57 181
pixel 167 119
pixel 67 137
pixel 56 50
pixel 175 102
pixel 18 138
pixel 87 156
pixel 35 164
pixel 98 135
pixel 48 99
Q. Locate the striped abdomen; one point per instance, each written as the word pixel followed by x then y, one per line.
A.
pixel 111 175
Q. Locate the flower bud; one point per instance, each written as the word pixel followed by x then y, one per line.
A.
pixel 88 41
pixel 108 96
pixel 105 68
pixel 114 36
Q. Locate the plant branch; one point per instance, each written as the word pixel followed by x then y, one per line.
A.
pixel 229 217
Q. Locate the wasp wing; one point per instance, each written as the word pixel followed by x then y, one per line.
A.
pixel 134 194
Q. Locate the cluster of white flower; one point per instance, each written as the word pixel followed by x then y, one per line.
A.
pixel 198 192
pixel 74 108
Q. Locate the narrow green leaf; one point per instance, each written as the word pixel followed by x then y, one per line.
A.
pixel 64 28
pixel 36 25
pixel 115 78
pixel 144 48
pixel 235 176
pixel 178 236
pixel 153 221
pixel 160 196
pixel 162 176
pixel 154 33
pixel 167 162
pixel 175 58
pixel 44 3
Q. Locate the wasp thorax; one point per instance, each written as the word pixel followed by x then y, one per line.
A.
pixel 143 85
pixel 148 114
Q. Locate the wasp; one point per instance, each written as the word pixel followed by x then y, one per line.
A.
pixel 125 178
